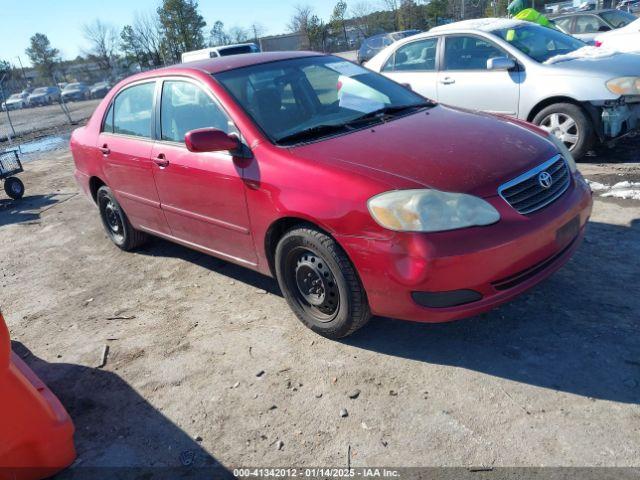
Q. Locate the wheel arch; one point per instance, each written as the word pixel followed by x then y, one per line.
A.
pixel 281 226
pixel 542 104
pixel 94 184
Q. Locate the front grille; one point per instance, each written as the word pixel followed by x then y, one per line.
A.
pixel 527 194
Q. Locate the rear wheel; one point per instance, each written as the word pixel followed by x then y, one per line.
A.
pixel 570 124
pixel 116 223
pixel 320 283
pixel 14 187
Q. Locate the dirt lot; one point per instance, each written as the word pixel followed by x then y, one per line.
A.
pixel 550 379
pixel 45 118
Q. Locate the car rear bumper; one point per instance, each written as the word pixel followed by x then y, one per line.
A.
pixel 450 275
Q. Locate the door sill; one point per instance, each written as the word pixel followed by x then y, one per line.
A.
pixel 200 248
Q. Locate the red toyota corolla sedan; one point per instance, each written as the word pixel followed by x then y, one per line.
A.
pixel 358 195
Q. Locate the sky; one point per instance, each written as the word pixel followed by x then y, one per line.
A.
pixel 62 20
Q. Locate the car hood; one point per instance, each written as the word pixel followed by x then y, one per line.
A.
pixel 443 148
pixel 616 64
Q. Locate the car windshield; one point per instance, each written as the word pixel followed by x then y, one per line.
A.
pixel 307 98
pixel 15 96
pixel 618 18
pixel 539 43
pixel 40 90
pixel 72 86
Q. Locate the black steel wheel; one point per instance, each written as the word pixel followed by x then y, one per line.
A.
pixel 14 187
pixel 320 283
pixel 116 223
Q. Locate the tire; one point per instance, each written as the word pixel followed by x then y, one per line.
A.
pixel 570 123
pixel 14 187
pixel 116 223
pixel 334 304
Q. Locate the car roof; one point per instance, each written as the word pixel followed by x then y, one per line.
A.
pixel 482 24
pixel 223 64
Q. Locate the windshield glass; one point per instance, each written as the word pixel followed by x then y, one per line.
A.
pixel 15 96
pixel 40 90
pixel 618 18
pixel 540 43
pixel 313 94
pixel 72 86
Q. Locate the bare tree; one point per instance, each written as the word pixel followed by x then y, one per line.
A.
pixel 360 14
pixel 148 29
pixel 143 40
pixel 239 34
pixel 394 7
pixel 103 41
pixel 258 30
pixel 299 22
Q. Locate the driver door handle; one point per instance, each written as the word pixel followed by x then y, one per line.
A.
pixel 447 81
pixel 161 160
pixel 105 149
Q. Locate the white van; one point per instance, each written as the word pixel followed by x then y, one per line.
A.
pixel 221 51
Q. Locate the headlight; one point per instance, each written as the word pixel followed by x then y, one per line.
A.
pixel 564 151
pixel 430 211
pixel 624 85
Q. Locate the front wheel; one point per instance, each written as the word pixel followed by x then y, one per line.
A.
pixel 570 124
pixel 14 187
pixel 116 223
pixel 320 283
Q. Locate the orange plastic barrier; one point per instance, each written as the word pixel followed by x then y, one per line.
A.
pixel 36 432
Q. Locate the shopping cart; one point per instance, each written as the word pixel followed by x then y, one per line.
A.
pixel 9 166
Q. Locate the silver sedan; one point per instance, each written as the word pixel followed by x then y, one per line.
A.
pixel 581 94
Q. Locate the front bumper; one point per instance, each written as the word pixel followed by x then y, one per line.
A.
pixel 498 262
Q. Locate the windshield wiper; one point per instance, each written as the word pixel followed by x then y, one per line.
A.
pixel 313 132
pixel 389 110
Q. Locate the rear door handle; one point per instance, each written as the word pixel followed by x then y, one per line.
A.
pixel 161 160
pixel 105 149
pixel 447 81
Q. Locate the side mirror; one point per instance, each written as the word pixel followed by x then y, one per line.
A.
pixel 500 63
pixel 210 140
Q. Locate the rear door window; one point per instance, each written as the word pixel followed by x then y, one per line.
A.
pixel 414 56
pixel 132 110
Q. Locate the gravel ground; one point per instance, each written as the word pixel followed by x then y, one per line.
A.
pixel 30 120
pixel 206 361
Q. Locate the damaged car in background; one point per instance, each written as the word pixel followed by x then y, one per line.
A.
pixel 581 94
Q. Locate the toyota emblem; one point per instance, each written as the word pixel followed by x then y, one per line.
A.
pixel 545 180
